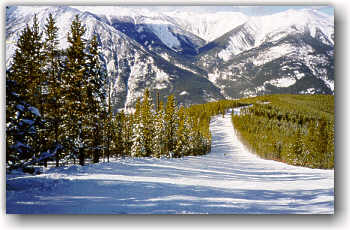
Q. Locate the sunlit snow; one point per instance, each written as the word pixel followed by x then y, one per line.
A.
pixel 230 179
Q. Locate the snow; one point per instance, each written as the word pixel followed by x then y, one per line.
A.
pixel 271 28
pixel 282 82
pixel 308 91
pixel 274 53
pixel 208 26
pixel 162 30
pixel 162 79
pixel 184 93
pixel 228 180
pixel 35 111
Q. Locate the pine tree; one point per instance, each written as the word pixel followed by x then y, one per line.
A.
pixel 296 155
pixel 137 149
pixel 26 71
pixel 53 103
pixel 75 78
pixel 330 145
pixel 322 142
pixel 159 130
pixel 170 125
pixel 147 121
pixel 108 131
pixel 118 130
pixel 181 144
pixel 22 123
pixel 96 99
pixel 127 134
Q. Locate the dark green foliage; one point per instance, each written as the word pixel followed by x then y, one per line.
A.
pixel 53 101
pixel 68 89
pixel 75 82
pixel 296 129
pixel 22 124
pixel 26 72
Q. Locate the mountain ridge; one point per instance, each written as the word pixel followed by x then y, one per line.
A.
pixel 157 50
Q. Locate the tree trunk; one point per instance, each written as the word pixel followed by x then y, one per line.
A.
pixel 81 157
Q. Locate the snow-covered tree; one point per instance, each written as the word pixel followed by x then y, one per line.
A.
pixel 27 72
pixel 22 123
pixel 159 132
pixel 96 100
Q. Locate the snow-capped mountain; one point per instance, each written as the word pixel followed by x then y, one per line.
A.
pixel 198 57
pixel 289 52
pixel 131 65
pixel 208 26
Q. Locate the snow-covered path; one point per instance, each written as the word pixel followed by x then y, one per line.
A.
pixel 228 180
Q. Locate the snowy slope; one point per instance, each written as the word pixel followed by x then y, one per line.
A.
pixel 271 28
pixel 142 21
pixel 287 52
pixel 208 26
pixel 228 180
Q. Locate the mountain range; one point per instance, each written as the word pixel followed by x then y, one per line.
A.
pixel 198 57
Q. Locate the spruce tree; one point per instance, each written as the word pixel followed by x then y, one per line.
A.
pixel 147 121
pixel 118 131
pixel 108 131
pixel 27 71
pixel 138 141
pixel 181 143
pixel 159 130
pixel 170 125
pixel 22 124
pixel 127 134
pixel 54 96
pixel 96 99
pixel 75 78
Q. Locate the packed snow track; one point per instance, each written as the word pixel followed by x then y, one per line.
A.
pixel 228 180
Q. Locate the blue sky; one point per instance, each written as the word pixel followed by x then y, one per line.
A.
pixel 265 10
pixel 249 10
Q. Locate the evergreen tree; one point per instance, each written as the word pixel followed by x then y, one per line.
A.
pixel 53 103
pixel 159 130
pixel 108 131
pixel 138 141
pixel 22 123
pixel 75 78
pixel 147 121
pixel 170 125
pixel 26 71
pixel 96 99
pixel 181 145
pixel 330 145
pixel 118 130
pixel 127 134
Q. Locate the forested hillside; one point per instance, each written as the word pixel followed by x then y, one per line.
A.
pixel 296 129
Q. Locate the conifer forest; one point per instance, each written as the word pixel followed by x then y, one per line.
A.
pixel 59 108
pixel 147 117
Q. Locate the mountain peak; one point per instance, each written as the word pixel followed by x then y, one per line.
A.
pixel 209 56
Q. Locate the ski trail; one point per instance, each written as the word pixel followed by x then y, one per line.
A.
pixel 228 180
